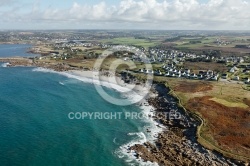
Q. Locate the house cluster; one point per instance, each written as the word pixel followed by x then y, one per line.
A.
pixel 170 70
pixel 158 55
pixel 72 44
pixel 154 55
pixel 138 54
pixel 235 78
pixel 243 69
pixel 220 42
pixel 137 51
pixel 231 59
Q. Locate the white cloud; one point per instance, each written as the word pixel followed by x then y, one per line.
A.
pixel 6 2
pixel 174 14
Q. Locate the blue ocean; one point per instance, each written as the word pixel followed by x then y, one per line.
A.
pixel 11 50
pixel 35 128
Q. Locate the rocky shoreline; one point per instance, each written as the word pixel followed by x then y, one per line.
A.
pixel 19 61
pixel 178 145
pixel 175 146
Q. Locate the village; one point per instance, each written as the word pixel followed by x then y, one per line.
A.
pixel 172 70
pixel 171 61
pixel 208 84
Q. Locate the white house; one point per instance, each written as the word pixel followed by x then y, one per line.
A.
pixel 248 81
pixel 199 76
pixel 210 72
pixel 193 75
pixel 187 71
pixel 233 69
pixel 172 75
pixel 224 76
pixel 126 59
pixel 241 60
pixel 149 72
pixel 167 74
pixel 158 73
pixel 215 78
pixel 141 70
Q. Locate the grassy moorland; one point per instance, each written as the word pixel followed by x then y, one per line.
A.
pixel 225 111
pixel 223 107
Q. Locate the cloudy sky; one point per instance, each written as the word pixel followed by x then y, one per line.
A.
pixel 125 14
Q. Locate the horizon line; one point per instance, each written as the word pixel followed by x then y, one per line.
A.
pixel 106 29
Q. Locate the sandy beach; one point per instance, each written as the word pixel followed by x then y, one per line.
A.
pixel 111 80
pixel 169 141
pixel 169 147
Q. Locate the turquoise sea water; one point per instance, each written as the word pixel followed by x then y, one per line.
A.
pixel 10 50
pixel 35 128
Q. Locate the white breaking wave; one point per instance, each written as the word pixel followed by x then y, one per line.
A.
pixel 4 64
pixel 141 136
pixel 61 83
pixel 129 155
pixel 154 127
pixel 131 96
pixel 123 151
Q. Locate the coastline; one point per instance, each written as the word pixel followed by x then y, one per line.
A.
pixel 175 141
pixel 178 145
pixel 150 133
pixel 181 133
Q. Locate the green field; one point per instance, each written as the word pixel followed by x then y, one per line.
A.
pixel 202 42
pixel 132 41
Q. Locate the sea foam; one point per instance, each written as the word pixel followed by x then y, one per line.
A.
pixel 141 137
pixel 129 94
pixel 123 151
pixel 129 155
pixel 4 64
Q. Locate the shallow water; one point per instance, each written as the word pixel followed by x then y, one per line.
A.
pixel 35 128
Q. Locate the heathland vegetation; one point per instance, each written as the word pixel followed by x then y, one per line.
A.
pixel 208 71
